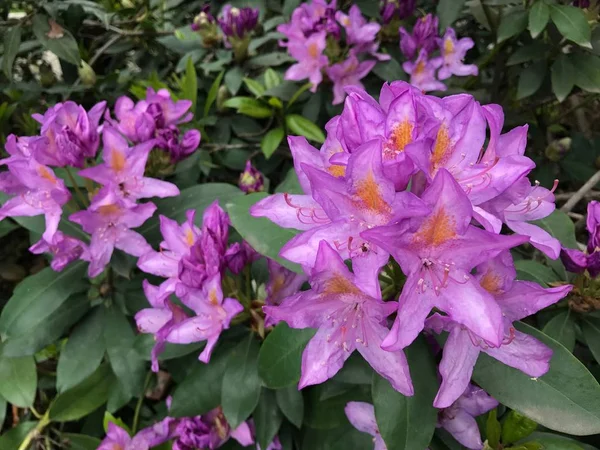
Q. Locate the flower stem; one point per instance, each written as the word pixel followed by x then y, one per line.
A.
pixel 78 192
pixel 138 406
pixel 43 423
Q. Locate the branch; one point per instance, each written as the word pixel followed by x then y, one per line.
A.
pixel 588 186
pixel 122 32
pixel 567 195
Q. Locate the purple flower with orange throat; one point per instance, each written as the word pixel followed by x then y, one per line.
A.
pixel 423 73
pixel 453 53
pixel 348 73
pixel 310 57
pixel 577 261
pixel 64 250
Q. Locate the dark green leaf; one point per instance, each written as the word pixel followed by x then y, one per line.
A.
pixel 290 184
pixel 11 439
pixel 191 397
pixel 267 418
pixel 197 198
pixel 3 406
pixel 561 328
pixel 566 399
pixel 263 235
pixel 53 328
pixel 60 41
pixel 272 79
pixel 408 423
pixel 572 23
pixel 271 141
pixel 189 84
pixel 539 15
pixel 325 403
pixel 83 352
pixel 591 333
pixel 563 77
pixel 291 403
pixel 212 93
pixel 558 442
pixel 12 40
pixel 448 11
pixel 84 398
pixel 241 384
pixel 249 107
pixel 298 93
pixel 344 437
pixel 127 365
pixel 515 427
pixel 81 441
pixel 254 87
pixel 281 355
pixel 534 271
pixel 300 126
pixel 233 79
pixel 512 24
pixel 532 52
pixel 587 72
pixel 493 429
pixel 531 79
pixel 389 70
pixel 38 296
pixel 560 226
pixel 18 380
pixel 270 59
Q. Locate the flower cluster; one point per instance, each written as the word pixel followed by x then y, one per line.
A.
pixel 458 419
pixel 418 46
pixel 392 10
pixel 70 138
pixel 444 233
pixel 209 431
pixel 193 261
pixel 234 24
pixel 577 261
pixel 315 39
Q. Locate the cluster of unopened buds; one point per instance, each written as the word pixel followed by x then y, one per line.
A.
pixel 410 176
pixel 315 39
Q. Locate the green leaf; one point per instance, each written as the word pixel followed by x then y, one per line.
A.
pixel 566 399
pixel 561 328
pixel 18 380
pixel 233 79
pixel 587 72
pixel 241 384
pixel 557 442
pixel 532 52
pixel 493 429
pixel 270 60
pixel 127 365
pixel 325 403
pixel 271 141
pixel 290 184
pixel 83 352
pixel 591 333
pixel 563 77
pixel 3 406
pixel 512 24
pixel 572 23
pixel 531 79
pixel 197 197
pixel 84 398
pixel 298 125
pixel 12 40
pixel 249 107
pixel 539 15
pixel 80 441
pixel 534 271
pixel 272 79
pixel 448 11
pixel 560 226
pixel 189 84
pixel 267 418
pixel 191 397
pixel 62 43
pixel 109 418
pixel 343 437
pixel 11 439
pixel 298 93
pixel 281 355
pixel 38 296
pixel 389 70
pixel 408 423
pixel 291 403
pixel 212 93
pixel 53 328
pixel 254 87
pixel 515 427
pixel 263 235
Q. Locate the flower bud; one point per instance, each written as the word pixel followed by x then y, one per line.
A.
pixel 251 180
pixel 87 74
pixel 557 149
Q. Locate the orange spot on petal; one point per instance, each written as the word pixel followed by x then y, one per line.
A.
pixel 117 160
pixel 106 210
pixel 369 195
pixel 212 297
pixel 337 170
pixel 189 237
pixel 419 68
pixel 46 174
pixel 491 283
pixel 339 285
pixel 437 229
pixel 441 148
pixel 448 46
pixel 313 50
pixel 402 135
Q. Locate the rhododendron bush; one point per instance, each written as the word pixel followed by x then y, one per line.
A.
pixel 300 225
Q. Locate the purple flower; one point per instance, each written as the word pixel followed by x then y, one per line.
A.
pixel 282 283
pixel 437 253
pixel 362 417
pixel 157 434
pixel 348 311
pixel 459 418
pixel 109 220
pixel 422 73
pixel 213 315
pixel 348 73
pixel 577 261
pixel 35 187
pixel 396 9
pixel 64 249
pixel 424 36
pixel 311 61
pixel 251 180
pixel 453 54
pixel 69 134
pixel 516 299
pixel 309 18
pixel 203 18
pixel 358 30
pixel 238 255
pixel 237 22
pixel 124 167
